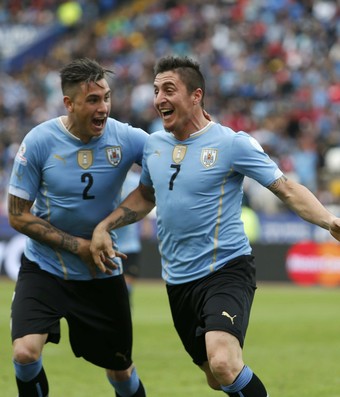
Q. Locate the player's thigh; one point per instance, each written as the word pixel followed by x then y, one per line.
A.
pixel 229 297
pixel 36 303
pixel 185 311
pixel 100 325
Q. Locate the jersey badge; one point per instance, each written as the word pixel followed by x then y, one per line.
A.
pixel 114 155
pixel 178 153
pixel 208 157
pixel 85 159
pixel 20 156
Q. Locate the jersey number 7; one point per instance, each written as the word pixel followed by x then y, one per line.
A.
pixel 174 175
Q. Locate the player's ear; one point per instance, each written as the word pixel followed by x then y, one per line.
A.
pixel 68 104
pixel 197 96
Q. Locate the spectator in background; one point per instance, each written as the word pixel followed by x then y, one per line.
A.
pixel 305 159
pixel 260 57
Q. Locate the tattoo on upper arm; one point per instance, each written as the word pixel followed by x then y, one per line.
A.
pixel 38 229
pixel 274 187
pixel 17 206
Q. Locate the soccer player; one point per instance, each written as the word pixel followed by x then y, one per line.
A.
pixel 67 176
pixel 193 171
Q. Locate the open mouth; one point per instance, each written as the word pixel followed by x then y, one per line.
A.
pixel 99 122
pixel 166 112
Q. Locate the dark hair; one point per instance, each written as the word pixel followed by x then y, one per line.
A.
pixel 81 70
pixel 188 70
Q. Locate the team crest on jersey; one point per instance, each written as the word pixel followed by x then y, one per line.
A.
pixel 20 156
pixel 114 155
pixel 178 153
pixel 208 157
pixel 85 159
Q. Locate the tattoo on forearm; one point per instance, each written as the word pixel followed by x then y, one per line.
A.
pixel 52 236
pixel 274 187
pixel 69 243
pixel 128 217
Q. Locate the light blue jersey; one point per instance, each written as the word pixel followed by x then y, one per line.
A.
pixel 74 185
pixel 128 237
pixel 198 186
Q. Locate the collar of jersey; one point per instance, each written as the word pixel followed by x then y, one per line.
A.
pixel 75 137
pixel 202 131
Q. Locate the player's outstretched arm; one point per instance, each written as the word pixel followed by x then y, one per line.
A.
pixel 135 207
pixel 304 203
pixel 334 229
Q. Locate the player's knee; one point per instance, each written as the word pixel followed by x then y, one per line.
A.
pixel 119 376
pixel 24 354
pixel 223 371
pixel 28 348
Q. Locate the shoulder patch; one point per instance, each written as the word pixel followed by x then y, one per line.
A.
pixel 20 156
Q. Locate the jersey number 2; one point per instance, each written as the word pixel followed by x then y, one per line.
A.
pixel 174 175
pixel 88 179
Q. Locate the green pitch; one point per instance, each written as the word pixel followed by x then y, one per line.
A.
pixel 293 344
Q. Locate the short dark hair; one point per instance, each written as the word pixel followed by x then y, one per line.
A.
pixel 81 70
pixel 188 70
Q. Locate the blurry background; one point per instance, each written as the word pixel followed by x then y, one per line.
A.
pixel 272 69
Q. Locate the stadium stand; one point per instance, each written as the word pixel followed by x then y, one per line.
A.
pixel 272 68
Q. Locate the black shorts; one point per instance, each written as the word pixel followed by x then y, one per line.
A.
pixel 131 265
pixel 219 302
pixel 97 312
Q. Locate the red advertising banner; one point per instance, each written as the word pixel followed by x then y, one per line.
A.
pixel 311 263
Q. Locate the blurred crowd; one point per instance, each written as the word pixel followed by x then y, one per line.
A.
pixel 272 69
